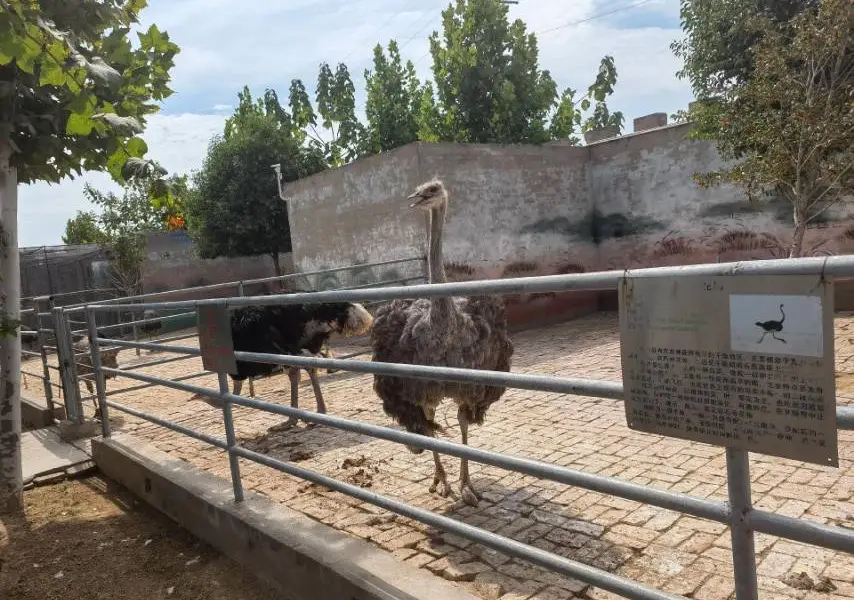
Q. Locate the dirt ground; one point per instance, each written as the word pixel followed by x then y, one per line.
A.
pixel 91 539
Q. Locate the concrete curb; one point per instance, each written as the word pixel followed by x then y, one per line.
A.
pixel 303 559
pixel 35 414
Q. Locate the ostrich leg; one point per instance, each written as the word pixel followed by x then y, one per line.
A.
pixel 321 405
pixel 467 492
pixel 439 476
pixel 251 387
pixel 293 375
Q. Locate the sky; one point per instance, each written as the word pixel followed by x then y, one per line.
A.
pixel 267 43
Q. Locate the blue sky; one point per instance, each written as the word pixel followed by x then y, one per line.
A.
pixel 266 43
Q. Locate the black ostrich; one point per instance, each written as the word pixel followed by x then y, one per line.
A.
pixel 294 329
pixel 772 327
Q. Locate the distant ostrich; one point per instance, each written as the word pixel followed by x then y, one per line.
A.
pixel 458 332
pixel 294 329
pixel 772 327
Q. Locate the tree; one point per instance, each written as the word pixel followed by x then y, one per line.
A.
pixel 394 100
pixel 488 81
pixel 790 126
pixel 84 229
pixel 74 94
pixel 234 208
pixel 719 36
pixel 570 114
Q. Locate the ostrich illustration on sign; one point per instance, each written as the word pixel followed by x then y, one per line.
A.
pixel 776 324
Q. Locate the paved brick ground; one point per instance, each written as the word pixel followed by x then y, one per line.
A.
pixel 682 554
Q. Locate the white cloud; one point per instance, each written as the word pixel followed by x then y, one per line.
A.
pixel 266 43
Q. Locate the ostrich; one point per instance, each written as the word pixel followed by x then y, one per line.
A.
pixel 291 329
pixel 772 327
pixel 459 332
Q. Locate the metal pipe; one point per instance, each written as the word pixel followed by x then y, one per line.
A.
pixel 100 384
pixel 220 286
pixel 743 547
pixel 67 368
pixel 570 568
pixel 40 340
pixel 593 388
pixel 230 439
pixel 831 267
pixel 800 530
pixel 198 435
pixel 697 507
pixel 136 388
pixel 162 361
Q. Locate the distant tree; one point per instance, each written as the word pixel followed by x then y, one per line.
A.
pixel 393 104
pixel 83 229
pixel 234 207
pixel 74 94
pixel 790 127
pixel 489 85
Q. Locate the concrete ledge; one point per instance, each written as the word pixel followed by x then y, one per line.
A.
pixel 35 414
pixel 303 559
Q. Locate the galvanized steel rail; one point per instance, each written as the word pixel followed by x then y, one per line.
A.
pixel 738 513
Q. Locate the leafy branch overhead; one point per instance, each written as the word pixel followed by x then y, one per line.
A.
pixel 74 91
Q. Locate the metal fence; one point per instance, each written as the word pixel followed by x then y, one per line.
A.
pixel 65 325
pixel 739 514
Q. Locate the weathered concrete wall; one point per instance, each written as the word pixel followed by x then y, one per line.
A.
pixel 172 264
pixel 620 202
pixel 356 214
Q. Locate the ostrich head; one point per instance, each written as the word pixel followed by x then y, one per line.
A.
pixel 428 196
pixel 348 319
pixel 110 359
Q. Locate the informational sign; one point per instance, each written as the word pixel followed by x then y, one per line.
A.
pixel 739 361
pixel 215 340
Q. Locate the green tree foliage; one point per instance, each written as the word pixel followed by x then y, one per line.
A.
pixel 488 87
pixel 488 81
pixel 84 229
pixel 394 100
pixel 74 90
pixel 790 126
pixel 234 208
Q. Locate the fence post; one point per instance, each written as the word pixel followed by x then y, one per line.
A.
pixel 136 333
pixel 67 366
pixel 100 385
pixel 41 341
pixel 240 288
pixel 743 548
pixel 230 438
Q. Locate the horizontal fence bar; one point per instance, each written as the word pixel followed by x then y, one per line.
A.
pixel 136 388
pixel 145 321
pixel 832 267
pixel 245 282
pixel 30 353
pixel 570 568
pixel 800 530
pixel 36 375
pixel 593 388
pixel 198 435
pixel 699 507
pixel 176 338
pixel 152 363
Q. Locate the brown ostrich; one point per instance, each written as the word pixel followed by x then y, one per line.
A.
pixel 459 332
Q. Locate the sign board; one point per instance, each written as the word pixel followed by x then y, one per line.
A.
pixel 215 339
pixel 739 361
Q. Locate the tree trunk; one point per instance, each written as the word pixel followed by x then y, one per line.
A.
pixel 796 248
pixel 11 484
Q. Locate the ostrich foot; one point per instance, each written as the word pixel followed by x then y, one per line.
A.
pixel 469 494
pixel 440 479
pixel 289 424
pixel 441 482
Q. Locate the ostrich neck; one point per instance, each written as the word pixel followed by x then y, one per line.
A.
pixel 441 306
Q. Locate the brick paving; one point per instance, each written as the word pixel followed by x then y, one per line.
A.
pixel 680 554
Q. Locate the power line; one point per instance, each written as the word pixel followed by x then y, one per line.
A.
pixel 377 31
pixel 593 17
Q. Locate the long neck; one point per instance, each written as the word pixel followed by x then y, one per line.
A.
pixel 435 262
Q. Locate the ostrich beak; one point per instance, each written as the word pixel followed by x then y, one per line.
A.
pixel 417 199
